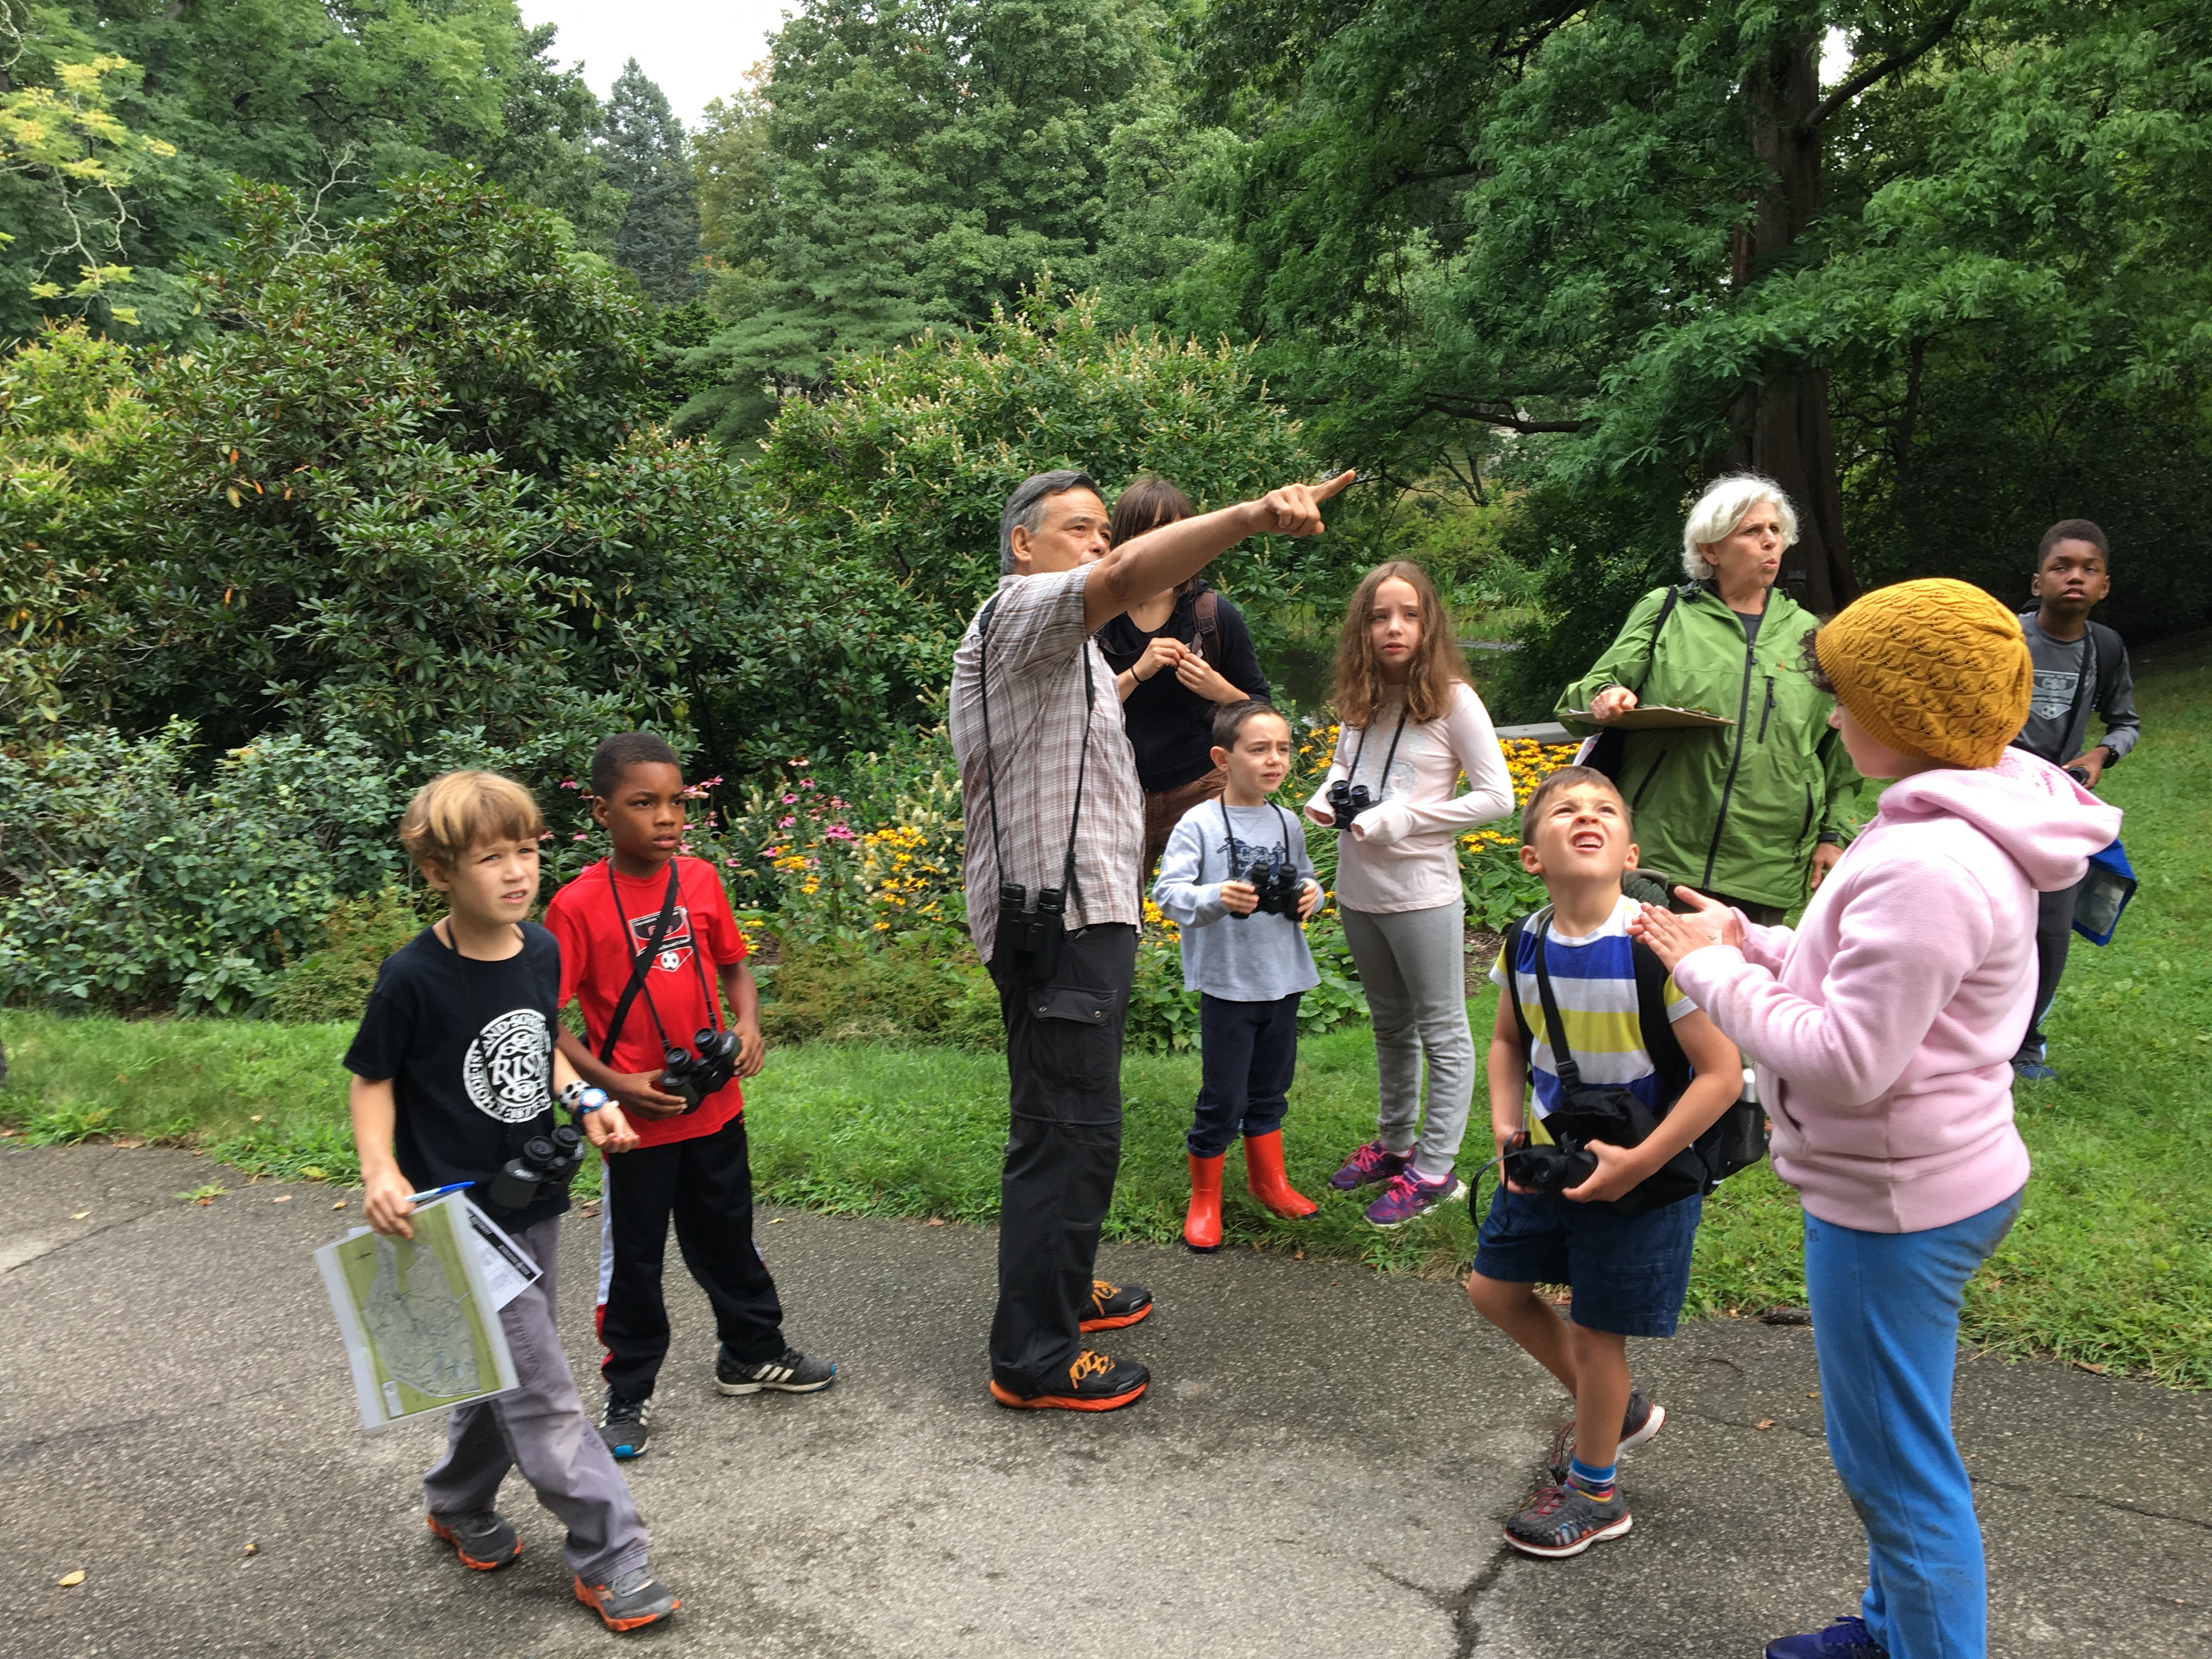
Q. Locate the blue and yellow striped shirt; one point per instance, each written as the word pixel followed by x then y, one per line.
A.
pixel 1593 982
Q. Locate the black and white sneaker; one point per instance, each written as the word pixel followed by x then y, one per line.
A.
pixel 622 1425
pixel 790 1372
pixel 1563 1521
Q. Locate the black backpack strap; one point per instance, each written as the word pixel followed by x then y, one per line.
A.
pixel 1511 946
pixel 1207 611
pixel 642 963
pixel 1555 1029
pixel 1656 1030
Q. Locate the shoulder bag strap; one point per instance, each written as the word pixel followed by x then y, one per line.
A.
pixel 1651 652
pixel 1555 1029
pixel 640 962
pixel 1067 883
pixel 1657 1030
pixel 1511 945
pixel 1208 610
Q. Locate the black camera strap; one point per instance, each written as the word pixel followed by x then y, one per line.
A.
pixel 990 759
pixel 1555 1029
pixel 641 963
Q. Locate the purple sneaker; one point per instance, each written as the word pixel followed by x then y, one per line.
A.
pixel 1408 1195
pixel 1847 1638
pixel 1372 1162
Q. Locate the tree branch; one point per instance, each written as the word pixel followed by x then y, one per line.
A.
pixel 1513 419
pixel 1881 71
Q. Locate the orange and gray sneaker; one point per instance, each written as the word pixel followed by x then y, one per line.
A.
pixel 1113 1306
pixel 633 1599
pixel 484 1540
pixel 1094 1383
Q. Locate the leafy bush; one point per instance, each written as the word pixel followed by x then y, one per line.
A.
pixel 332 982
pixel 845 988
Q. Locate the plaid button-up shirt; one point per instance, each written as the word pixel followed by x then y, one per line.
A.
pixel 1038 647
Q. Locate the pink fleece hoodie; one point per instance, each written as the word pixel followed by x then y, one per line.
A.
pixel 1883 1025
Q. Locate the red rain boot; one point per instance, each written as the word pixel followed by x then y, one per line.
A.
pixel 1201 1223
pixel 1264 1177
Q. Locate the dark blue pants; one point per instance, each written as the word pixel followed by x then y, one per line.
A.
pixel 1248 1051
pixel 1886 1328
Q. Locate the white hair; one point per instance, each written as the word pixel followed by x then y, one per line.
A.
pixel 1720 511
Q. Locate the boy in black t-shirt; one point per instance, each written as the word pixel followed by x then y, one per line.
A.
pixel 454 1069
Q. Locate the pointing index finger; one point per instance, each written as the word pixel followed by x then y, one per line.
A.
pixel 1322 492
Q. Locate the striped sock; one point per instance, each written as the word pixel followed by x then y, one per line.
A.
pixel 1593 1484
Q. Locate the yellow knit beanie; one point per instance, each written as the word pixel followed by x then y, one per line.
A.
pixel 1936 668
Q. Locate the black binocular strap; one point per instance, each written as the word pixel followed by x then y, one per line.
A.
pixel 1555 1029
pixel 990 760
pixel 1353 776
pixel 641 963
pixel 1230 830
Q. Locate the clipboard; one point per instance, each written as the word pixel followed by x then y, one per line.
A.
pixel 1652 717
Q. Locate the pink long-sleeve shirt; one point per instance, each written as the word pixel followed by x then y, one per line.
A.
pixel 1403 852
pixel 1883 1026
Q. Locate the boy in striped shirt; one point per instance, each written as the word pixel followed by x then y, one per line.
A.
pixel 1628 1273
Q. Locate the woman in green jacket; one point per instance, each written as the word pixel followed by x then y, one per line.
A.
pixel 1755 813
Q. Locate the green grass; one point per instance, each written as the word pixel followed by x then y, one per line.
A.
pixel 2110 1266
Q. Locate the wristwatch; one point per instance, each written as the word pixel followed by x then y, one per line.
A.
pixel 582 1098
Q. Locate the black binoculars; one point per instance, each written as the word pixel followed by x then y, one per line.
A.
pixel 544 1169
pixel 1278 884
pixel 1035 930
pixel 1347 800
pixel 697 1075
pixel 1552 1169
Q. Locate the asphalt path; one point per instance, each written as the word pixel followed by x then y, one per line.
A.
pixel 1320 1469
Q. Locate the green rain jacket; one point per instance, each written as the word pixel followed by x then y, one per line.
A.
pixel 1736 811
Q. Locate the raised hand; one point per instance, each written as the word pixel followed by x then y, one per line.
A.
pixel 1295 509
pixel 1673 937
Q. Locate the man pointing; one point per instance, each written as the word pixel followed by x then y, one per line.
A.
pixel 1055 820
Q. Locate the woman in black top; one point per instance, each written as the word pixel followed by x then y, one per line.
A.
pixel 1177 658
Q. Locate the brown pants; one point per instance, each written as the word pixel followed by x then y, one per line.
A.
pixel 1164 808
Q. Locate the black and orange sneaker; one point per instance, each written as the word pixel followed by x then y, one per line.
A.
pixel 634 1599
pixel 1113 1306
pixel 1094 1383
pixel 484 1540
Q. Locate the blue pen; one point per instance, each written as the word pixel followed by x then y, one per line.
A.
pixel 439 1192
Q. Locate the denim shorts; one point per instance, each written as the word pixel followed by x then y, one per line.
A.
pixel 1628 1273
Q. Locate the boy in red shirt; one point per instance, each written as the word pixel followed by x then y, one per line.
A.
pixel 648 915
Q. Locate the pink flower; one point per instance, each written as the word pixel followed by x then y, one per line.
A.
pixel 785 823
pixel 790 799
pixel 568 783
pixel 580 837
pixel 839 832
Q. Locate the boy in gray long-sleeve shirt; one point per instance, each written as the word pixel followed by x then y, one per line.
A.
pixel 1236 878
pixel 2079 665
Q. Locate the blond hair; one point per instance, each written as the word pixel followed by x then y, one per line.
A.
pixel 1437 665
pixel 455 811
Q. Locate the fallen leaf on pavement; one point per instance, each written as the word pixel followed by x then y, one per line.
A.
pixel 253 1549
pixel 282 1198
pixel 71 1580
pixel 80 1215
pixel 934 1221
pixel 340 1205
pixel 1764 1423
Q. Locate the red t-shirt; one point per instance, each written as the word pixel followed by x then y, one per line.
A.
pixel 601 939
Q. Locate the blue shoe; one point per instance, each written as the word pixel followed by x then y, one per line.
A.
pixel 2033 1069
pixel 1847 1638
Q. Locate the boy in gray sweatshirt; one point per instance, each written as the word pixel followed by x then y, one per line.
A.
pixel 1236 880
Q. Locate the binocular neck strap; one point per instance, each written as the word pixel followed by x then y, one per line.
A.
pixel 1555 1029
pixel 640 963
pixel 990 761
pixel 1229 829
pixel 1082 766
pixel 1353 776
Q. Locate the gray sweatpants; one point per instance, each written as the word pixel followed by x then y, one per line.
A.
pixel 540 1429
pixel 1412 965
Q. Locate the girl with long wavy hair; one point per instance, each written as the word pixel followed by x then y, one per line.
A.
pixel 1412 725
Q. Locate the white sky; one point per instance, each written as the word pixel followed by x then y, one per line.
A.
pixel 695 49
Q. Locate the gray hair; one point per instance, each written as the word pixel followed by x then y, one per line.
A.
pixel 1025 508
pixel 1720 511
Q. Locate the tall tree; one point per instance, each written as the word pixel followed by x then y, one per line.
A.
pixel 925 159
pixel 646 159
pixel 1638 241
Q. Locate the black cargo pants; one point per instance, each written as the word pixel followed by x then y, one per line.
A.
pixel 1063 1148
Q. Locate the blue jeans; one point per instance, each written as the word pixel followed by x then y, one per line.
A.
pixel 1885 1326
pixel 1248 1055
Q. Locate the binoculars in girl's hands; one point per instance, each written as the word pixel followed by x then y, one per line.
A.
pixel 1347 800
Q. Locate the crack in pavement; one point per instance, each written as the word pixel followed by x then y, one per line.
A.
pixel 2120 1505
pixel 60 1244
pixel 1459 1604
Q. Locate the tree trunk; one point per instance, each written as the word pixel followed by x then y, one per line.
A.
pixel 1782 425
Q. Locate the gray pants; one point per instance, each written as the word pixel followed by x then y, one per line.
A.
pixel 1412 965
pixel 2054 932
pixel 541 1429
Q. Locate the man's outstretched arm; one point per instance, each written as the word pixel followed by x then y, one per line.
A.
pixel 1160 559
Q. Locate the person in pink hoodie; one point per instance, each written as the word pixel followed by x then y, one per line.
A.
pixel 1883 1028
